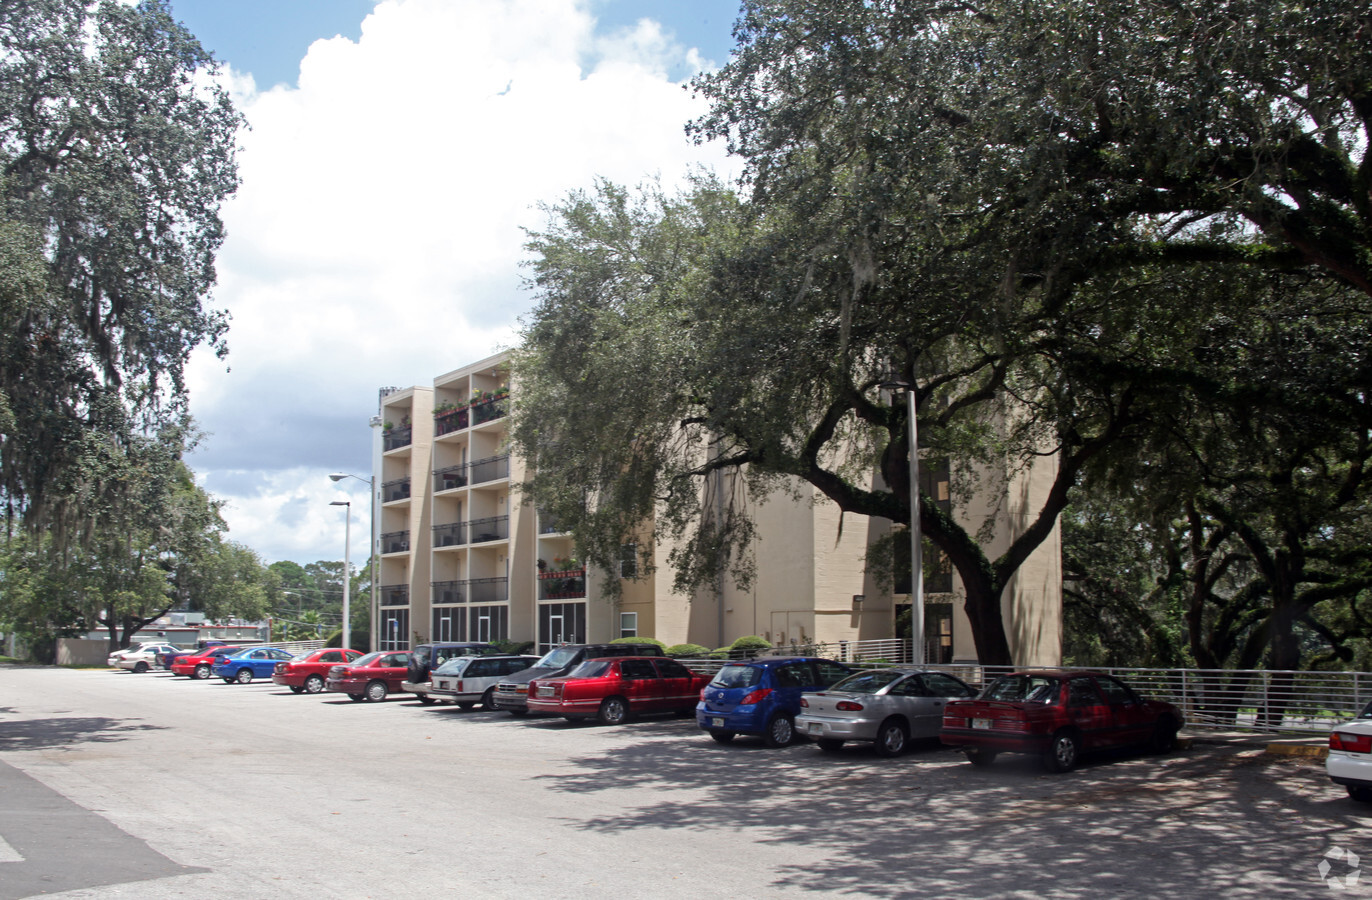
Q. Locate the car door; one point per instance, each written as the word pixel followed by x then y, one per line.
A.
pixel 1131 721
pixel 641 685
pixel 1088 711
pixel 396 668
pixel 940 689
pixel 789 681
pixel 676 683
pixel 920 707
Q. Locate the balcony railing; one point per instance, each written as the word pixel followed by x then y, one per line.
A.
pixel 495 528
pixel 453 534
pixel 491 468
pixel 450 421
pixel 395 490
pixel 450 477
pixel 450 592
pixel 488 411
pixel 395 595
pixel 398 437
pixel 568 585
pixel 395 542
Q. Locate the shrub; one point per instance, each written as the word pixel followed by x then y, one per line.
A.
pixel 688 651
pixel 513 648
pixel 751 642
pixel 639 640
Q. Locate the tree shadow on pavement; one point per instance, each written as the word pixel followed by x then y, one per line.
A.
pixel 1224 822
pixel 58 733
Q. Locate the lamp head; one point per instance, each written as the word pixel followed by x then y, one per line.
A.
pixel 338 476
pixel 340 503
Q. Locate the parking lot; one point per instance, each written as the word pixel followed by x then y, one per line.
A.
pixel 116 785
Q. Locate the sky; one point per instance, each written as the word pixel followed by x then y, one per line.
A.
pixel 396 151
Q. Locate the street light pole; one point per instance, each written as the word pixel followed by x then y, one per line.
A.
pixel 916 529
pixel 347 567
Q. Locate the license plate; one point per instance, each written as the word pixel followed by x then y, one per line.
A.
pixel 816 728
pixel 981 723
pixel 717 723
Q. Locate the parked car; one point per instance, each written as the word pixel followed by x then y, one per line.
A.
pixel 371 677
pixel 512 694
pixel 1057 715
pixel 201 664
pixel 1350 756
pixel 762 696
pixel 306 672
pixel 249 663
pixel 427 657
pixel 885 706
pixel 139 657
pixel 168 659
pixel 612 689
pixel 468 680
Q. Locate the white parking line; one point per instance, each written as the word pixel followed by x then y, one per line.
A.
pixel 8 853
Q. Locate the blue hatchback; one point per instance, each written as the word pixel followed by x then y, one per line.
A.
pixel 249 663
pixel 762 696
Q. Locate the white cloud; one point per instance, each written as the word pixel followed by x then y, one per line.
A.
pixel 377 234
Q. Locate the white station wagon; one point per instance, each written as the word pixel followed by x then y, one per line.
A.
pixel 469 680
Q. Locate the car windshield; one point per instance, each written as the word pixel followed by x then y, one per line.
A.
pixel 1024 688
pixel 868 682
pixel 737 677
pixel 591 668
pixel 556 659
pixel 453 666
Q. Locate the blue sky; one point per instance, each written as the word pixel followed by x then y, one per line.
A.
pixel 269 37
pixel 397 152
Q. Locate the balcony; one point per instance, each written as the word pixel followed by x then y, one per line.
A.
pixel 395 542
pixel 395 595
pixel 450 477
pixel 449 592
pixel 492 468
pixel 451 535
pixel 396 438
pixel 568 585
pixel 495 528
pixel 395 490
pixel 449 421
pixel 489 410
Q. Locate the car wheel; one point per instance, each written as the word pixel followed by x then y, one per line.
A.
pixel 1062 752
pixel 780 731
pixel 829 745
pixel 613 711
pixel 139 668
pixel 201 672
pixel 295 689
pixel 488 699
pixel 1360 794
pixel 244 676
pixel 356 698
pixel 314 684
pixel 1164 739
pixel 980 758
pixel 722 737
pixel 892 738
pixel 376 691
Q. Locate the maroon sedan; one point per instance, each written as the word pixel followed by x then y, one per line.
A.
pixel 1057 715
pixel 305 673
pixel 611 689
pixel 371 677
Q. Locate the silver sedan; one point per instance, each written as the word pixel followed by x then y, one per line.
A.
pixel 885 706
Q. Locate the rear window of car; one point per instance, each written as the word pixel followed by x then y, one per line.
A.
pixel 454 666
pixel 367 660
pixel 868 682
pixel 591 668
pixel 1024 688
pixel 737 677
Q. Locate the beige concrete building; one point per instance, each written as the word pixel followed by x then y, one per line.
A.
pixel 463 557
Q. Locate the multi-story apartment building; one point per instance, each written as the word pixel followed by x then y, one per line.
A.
pixel 464 557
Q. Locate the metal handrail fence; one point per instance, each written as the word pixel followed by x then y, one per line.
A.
pixel 1261 700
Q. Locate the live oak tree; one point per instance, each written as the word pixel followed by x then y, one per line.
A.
pixel 116 152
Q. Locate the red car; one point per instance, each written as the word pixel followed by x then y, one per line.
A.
pixel 306 673
pixel 198 665
pixel 610 689
pixel 371 677
pixel 1057 715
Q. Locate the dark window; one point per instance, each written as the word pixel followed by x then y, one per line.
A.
pixel 1082 692
pixel 946 686
pixel 1115 692
pixel 830 673
pixel 480 668
pixel 793 675
pixel 911 687
pixel 637 668
pixel 670 668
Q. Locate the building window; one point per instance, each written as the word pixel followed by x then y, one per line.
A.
pixel 490 623
pixel 628 625
pixel 628 561
pixel 395 630
pixel 561 623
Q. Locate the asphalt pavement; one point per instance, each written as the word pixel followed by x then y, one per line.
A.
pixel 153 786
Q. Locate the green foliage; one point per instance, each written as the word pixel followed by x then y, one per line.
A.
pixel 639 640
pixel 514 648
pixel 687 651
pixel 751 642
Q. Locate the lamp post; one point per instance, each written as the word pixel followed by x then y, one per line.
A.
pixel 916 532
pixel 347 566
pixel 371 550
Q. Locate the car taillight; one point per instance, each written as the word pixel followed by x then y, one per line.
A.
pixel 344 673
pixel 804 704
pixel 1352 743
pixel 848 706
pixel 459 685
pixel 756 696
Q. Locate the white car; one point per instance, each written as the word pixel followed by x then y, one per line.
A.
pixel 140 657
pixel 1350 756
pixel 469 680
